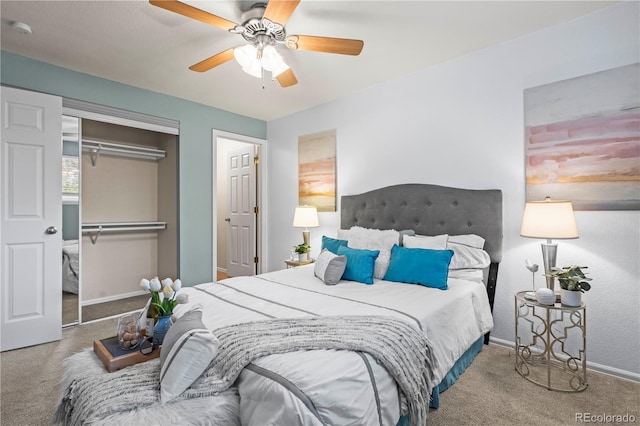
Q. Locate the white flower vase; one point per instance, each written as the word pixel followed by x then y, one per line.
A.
pixel 571 297
pixel 302 257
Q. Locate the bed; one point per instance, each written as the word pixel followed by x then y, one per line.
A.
pixel 403 339
pixel 70 266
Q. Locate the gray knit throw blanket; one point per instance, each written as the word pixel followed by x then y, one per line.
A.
pixel 403 350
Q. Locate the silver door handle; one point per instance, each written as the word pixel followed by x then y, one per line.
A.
pixel 227 219
pixel 51 230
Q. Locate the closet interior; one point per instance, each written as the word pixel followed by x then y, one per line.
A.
pixel 127 214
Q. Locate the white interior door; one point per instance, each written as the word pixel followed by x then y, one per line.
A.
pixel 241 236
pixel 31 215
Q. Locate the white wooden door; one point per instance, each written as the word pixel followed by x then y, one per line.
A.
pixel 241 236
pixel 31 215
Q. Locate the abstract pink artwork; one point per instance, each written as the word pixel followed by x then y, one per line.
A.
pixel 317 171
pixel 583 140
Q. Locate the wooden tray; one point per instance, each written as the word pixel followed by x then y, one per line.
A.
pixel 115 358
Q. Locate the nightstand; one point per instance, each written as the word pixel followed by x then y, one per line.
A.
pixel 295 263
pixel 551 344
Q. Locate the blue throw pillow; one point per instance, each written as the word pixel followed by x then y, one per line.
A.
pixel 419 266
pixel 360 264
pixel 332 244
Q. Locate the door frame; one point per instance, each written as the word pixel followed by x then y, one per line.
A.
pixel 261 219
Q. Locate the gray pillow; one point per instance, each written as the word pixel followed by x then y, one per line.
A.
pixel 329 267
pixel 186 351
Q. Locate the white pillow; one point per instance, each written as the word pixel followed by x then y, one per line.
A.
pixel 467 249
pixel 329 267
pixel 438 242
pixel 374 239
pixel 465 257
pixel 471 240
pixel 186 352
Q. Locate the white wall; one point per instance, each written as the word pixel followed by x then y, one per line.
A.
pixel 461 124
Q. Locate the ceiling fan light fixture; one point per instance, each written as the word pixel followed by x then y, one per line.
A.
pixel 254 70
pixel 279 70
pixel 272 61
pixel 247 55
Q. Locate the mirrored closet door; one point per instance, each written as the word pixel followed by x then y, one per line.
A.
pixel 70 220
pixel 120 213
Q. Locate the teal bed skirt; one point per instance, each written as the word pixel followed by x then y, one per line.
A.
pixel 458 368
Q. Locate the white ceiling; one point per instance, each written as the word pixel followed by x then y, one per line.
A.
pixel 135 43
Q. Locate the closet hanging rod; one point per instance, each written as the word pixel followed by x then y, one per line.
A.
pixel 95 229
pixel 97 147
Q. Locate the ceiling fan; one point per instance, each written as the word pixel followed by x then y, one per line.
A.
pixel 263 27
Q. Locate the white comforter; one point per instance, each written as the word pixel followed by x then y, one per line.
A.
pixel 337 387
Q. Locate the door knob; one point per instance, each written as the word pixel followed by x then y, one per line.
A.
pixel 51 230
pixel 227 219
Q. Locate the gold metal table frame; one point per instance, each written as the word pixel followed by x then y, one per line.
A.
pixel 549 360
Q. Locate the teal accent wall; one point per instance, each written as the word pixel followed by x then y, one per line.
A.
pixel 70 221
pixel 70 148
pixel 196 124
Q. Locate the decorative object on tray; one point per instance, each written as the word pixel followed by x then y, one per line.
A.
pixel 161 328
pixel 549 220
pixel 128 333
pixel 164 298
pixel 573 282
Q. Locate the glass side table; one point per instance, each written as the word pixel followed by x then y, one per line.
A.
pixel 296 263
pixel 551 344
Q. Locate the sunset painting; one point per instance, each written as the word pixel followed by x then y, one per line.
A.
pixel 583 140
pixel 317 171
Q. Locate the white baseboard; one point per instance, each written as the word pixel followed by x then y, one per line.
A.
pixel 112 298
pixel 600 368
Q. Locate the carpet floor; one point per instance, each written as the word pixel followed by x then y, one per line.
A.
pixel 490 392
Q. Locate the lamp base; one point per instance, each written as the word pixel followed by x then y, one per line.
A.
pixel 306 237
pixel 549 252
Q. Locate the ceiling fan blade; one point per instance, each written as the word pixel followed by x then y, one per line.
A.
pixel 279 11
pixel 287 78
pixel 194 13
pixel 213 61
pixel 342 46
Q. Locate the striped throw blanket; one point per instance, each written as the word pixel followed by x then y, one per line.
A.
pixel 399 347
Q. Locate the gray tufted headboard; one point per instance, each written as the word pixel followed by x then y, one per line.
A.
pixel 429 210
pixel 432 210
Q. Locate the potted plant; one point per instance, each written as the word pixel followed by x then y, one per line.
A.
pixel 573 283
pixel 302 250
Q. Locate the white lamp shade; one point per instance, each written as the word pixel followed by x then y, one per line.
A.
pixel 305 217
pixel 246 56
pixel 549 219
pixel 253 70
pixel 272 61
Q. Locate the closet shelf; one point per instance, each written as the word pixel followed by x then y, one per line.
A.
pixel 95 229
pixel 95 148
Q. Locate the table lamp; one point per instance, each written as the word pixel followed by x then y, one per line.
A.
pixel 549 219
pixel 305 217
